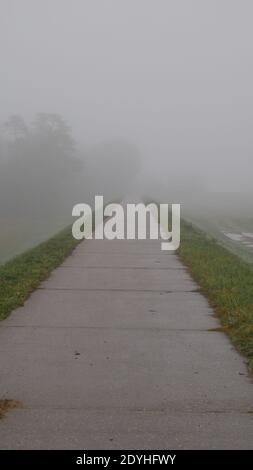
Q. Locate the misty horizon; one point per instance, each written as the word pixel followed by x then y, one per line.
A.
pixel 173 78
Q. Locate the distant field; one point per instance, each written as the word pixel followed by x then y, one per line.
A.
pixel 20 234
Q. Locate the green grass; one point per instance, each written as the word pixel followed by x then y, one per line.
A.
pixel 227 282
pixel 20 276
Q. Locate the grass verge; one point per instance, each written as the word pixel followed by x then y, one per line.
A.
pixel 20 276
pixel 227 282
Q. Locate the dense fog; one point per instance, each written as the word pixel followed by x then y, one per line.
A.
pixel 115 97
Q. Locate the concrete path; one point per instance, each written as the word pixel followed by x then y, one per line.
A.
pixel 117 349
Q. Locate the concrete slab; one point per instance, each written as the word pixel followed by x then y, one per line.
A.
pixel 120 279
pixel 136 369
pixel 101 260
pixel 175 310
pixel 83 429
pixel 135 247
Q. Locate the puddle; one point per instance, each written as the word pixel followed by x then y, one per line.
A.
pixel 246 238
pixel 236 237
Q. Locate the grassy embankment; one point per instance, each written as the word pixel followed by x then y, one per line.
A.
pixel 227 282
pixel 20 276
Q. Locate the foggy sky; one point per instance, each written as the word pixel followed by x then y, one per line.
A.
pixel 173 76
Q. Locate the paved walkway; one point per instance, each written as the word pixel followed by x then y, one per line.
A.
pixel 117 349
